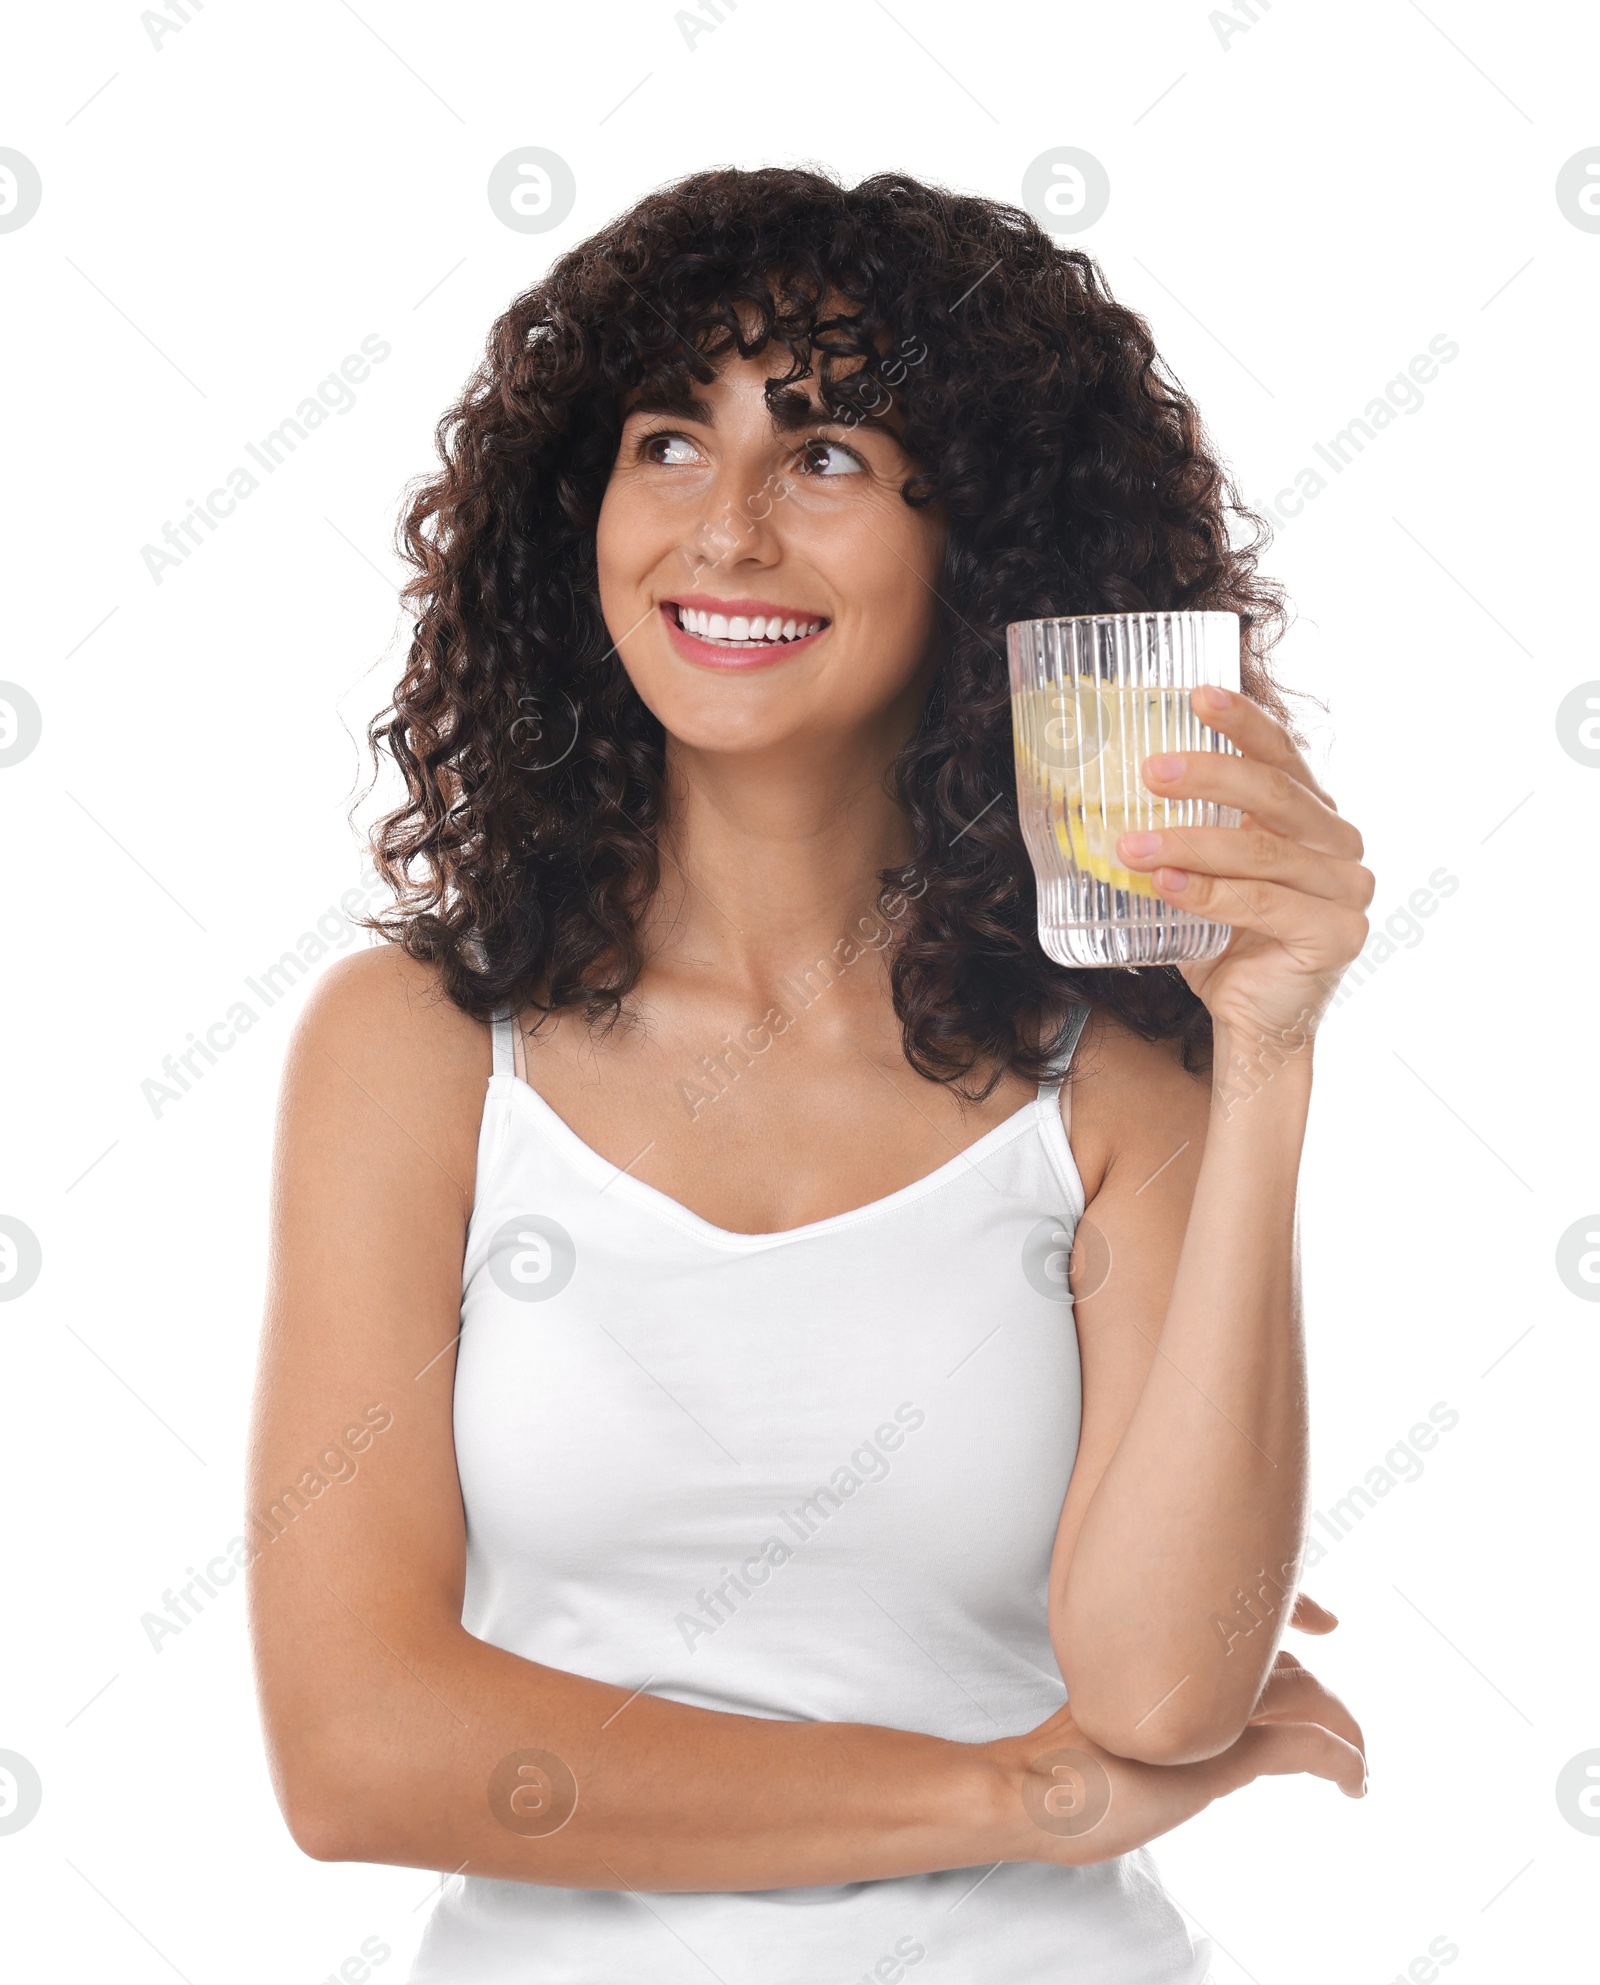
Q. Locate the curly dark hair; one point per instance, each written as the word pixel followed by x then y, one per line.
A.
pixel 1076 476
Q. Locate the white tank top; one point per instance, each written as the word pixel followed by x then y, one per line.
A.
pixel 811 1474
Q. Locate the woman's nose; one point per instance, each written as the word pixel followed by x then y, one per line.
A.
pixel 736 521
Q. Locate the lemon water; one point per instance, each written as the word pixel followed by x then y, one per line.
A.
pixel 1093 696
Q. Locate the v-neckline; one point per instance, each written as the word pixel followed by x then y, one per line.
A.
pixel 654 1199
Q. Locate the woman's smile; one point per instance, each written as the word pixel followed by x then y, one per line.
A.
pixel 739 633
pixel 740 530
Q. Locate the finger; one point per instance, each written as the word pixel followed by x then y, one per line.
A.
pixel 1249 851
pixel 1293 1694
pixel 1257 733
pixel 1321 937
pixel 1309 1617
pixel 1270 794
pixel 1272 1750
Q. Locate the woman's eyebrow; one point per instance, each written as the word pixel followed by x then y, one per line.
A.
pixel 791 410
pixel 677 401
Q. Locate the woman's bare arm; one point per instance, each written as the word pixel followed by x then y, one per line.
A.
pixel 1191 1484
pixel 396 1736
pixel 387 1722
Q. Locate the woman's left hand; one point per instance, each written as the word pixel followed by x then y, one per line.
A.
pixel 1289 878
pixel 1292 1694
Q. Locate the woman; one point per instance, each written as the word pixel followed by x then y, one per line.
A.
pixel 769 1580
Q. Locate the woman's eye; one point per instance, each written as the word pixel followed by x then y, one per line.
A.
pixel 813 459
pixel 672 450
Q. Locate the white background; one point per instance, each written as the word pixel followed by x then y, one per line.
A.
pixel 1297 207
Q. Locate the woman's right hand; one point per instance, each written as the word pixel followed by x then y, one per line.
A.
pixel 1078 1804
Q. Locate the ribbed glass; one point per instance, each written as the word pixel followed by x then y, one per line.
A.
pixel 1093 696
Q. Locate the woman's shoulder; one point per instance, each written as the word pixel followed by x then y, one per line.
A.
pixel 384 991
pixel 378 1030
pixel 1129 1097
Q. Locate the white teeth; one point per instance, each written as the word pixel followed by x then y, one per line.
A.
pixel 739 630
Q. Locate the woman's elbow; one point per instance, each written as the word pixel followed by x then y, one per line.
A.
pixel 320 1835
pixel 1166 1734
pixel 314 1798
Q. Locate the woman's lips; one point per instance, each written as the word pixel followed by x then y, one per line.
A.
pixel 722 655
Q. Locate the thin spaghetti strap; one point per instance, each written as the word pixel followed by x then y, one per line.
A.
pixel 1063 1055
pixel 501 1030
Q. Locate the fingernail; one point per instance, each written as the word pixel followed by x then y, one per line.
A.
pixel 1139 844
pixel 1173 880
pixel 1166 767
pixel 1217 697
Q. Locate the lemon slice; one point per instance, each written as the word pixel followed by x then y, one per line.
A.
pixel 1091 844
pixel 1080 746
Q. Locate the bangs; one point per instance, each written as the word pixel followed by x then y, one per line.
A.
pixel 833 330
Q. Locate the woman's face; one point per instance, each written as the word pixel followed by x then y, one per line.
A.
pixel 767 584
